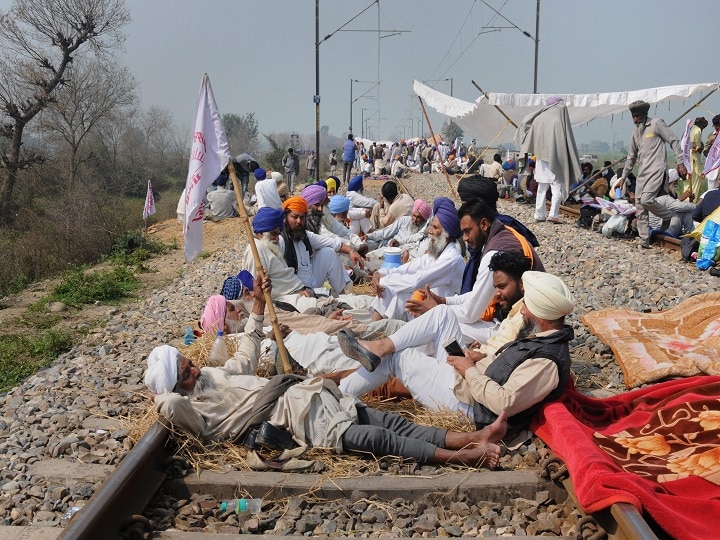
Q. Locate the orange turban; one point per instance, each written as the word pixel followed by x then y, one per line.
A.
pixel 296 204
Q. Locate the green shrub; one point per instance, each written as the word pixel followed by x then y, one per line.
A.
pixel 21 356
pixel 80 287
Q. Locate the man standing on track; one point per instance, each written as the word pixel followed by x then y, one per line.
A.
pixel 648 147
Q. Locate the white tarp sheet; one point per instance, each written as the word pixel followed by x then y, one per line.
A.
pixel 481 120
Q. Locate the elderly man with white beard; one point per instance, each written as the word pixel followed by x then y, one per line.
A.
pixel 225 403
pixel 440 268
pixel 268 224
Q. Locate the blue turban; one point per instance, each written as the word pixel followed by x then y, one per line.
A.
pixel 260 173
pixel 339 204
pixel 444 210
pixel 322 183
pixel 268 219
pixel 356 184
pixel 314 194
pixel 233 286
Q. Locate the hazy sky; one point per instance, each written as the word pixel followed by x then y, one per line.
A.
pixel 260 56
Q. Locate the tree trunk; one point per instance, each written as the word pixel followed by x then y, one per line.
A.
pixel 8 174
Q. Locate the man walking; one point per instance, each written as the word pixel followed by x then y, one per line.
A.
pixel 648 147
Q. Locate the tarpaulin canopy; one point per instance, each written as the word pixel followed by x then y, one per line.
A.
pixel 482 120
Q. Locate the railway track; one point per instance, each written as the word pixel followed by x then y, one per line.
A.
pixel 120 508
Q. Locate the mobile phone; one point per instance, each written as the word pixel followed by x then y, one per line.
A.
pixel 454 349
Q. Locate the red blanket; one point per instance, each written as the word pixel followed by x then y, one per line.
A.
pixel 657 448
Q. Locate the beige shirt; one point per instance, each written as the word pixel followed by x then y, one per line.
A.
pixel 218 415
pixel 528 384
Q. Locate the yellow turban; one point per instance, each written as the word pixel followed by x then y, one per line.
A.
pixel 331 184
pixel 296 204
pixel 546 296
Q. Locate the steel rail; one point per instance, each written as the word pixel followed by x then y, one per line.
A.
pixel 126 492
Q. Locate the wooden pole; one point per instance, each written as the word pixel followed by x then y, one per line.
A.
pixel 259 270
pixel 447 176
pixel 496 107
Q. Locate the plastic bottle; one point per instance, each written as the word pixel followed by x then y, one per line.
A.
pixel 189 337
pixel 242 505
pixel 219 352
pixel 618 193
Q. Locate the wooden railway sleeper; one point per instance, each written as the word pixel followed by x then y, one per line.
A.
pixel 137 527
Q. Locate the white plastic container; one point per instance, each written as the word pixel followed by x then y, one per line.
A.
pixel 219 351
pixel 242 505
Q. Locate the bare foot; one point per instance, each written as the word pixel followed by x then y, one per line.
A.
pixel 489 434
pixel 479 455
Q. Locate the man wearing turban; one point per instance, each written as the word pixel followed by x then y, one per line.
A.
pixel 440 269
pixel 407 232
pixel 360 220
pixel 392 205
pixel 313 257
pixel 648 147
pixel 222 404
pixel 548 134
pixel 531 366
pixel 266 190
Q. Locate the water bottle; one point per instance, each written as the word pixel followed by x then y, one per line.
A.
pixel 242 505
pixel 189 337
pixel 618 193
pixel 219 352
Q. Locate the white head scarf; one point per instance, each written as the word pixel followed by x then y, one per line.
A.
pixel 546 296
pixel 161 374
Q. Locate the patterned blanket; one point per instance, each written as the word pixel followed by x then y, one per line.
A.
pixel 657 448
pixel 681 342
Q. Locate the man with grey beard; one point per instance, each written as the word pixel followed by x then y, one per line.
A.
pixel 224 403
pixel 440 268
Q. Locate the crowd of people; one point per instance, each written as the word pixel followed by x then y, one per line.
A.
pixel 462 315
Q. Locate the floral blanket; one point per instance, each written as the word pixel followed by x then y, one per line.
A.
pixel 657 448
pixel 680 342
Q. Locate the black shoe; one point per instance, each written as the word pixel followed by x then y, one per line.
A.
pixel 714 271
pixel 352 349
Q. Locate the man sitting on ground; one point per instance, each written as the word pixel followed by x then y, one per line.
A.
pixel 359 223
pixel 222 202
pixel 518 378
pixel 440 269
pixel 484 235
pixel 392 205
pixel 223 403
pixel 679 207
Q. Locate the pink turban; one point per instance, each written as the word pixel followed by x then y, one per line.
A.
pixel 552 100
pixel 422 208
pixel 213 316
pixel 314 194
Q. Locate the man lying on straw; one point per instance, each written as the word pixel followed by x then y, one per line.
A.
pixel 221 404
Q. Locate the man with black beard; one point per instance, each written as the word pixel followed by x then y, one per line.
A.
pixel 223 403
pixel 485 235
pixel 440 269
pixel 529 369
pixel 314 258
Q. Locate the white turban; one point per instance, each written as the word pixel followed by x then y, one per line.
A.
pixel 161 374
pixel 276 176
pixel 546 296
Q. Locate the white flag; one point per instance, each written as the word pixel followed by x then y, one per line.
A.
pixel 149 208
pixel 712 163
pixel 685 145
pixel 209 155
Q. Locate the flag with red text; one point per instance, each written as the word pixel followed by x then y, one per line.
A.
pixel 712 163
pixel 149 208
pixel 209 155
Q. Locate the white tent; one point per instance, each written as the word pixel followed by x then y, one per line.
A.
pixel 482 120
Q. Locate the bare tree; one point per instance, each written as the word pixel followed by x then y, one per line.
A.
pixel 96 93
pixel 38 40
pixel 242 132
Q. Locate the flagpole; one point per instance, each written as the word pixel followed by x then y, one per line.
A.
pixel 260 270
pixel 442 165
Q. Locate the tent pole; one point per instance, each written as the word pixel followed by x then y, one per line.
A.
pixel 496 107
pixel 694 106
pixel 260 270
pixel 447 176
